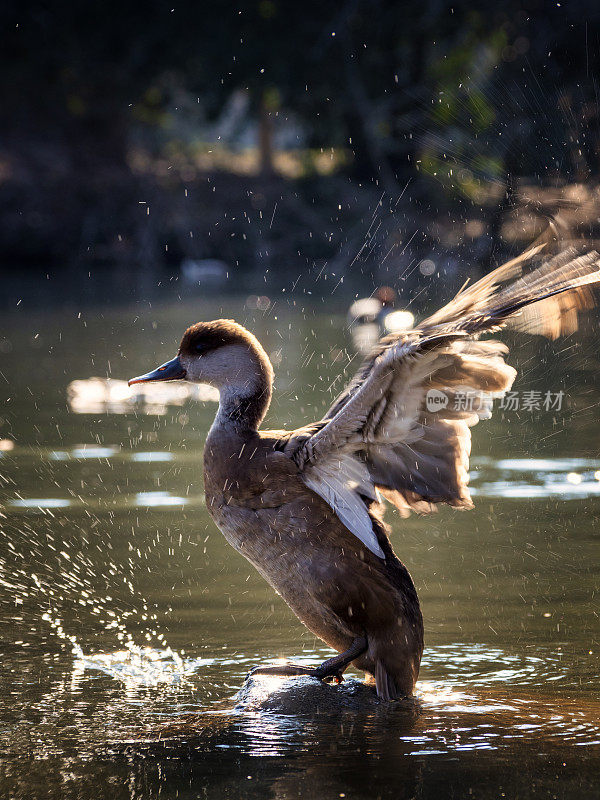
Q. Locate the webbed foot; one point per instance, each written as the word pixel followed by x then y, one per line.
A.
pixel 330 670
pixel 281 670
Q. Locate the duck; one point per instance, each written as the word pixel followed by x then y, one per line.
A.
pixel 305 507
pixel 369 318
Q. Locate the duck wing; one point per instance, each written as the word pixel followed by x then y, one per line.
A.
pixel 402 425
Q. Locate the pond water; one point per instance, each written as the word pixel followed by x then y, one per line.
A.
pixel 123 609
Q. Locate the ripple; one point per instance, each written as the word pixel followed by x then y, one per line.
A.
pixel 45 502
pixel 535 478
pixel 514 479
pixel 469 663
pixel 154 455
pixel 96 451
pixel 525 491
pixel 156 500
pixel 545 464
pixel 83 452
pixel 159 499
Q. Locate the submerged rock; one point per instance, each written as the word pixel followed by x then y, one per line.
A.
pixel 303 695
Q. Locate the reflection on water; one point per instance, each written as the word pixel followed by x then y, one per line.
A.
pixel 567 478
pixel 159 499
pixel 529 479
pixel 128 625
pixel 85 451
pixel 111 396
pixel 155 456
pixel 40 503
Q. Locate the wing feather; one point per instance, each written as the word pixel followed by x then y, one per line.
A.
pixel 382 433
pixel 343 482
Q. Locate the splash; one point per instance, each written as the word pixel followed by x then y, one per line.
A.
pixel 136 666
pixel 133 665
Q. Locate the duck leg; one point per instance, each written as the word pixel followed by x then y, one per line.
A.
pixel 331 669
pixel 334 667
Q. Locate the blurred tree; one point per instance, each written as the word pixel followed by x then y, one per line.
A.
pixel 381 76
pixel 464 93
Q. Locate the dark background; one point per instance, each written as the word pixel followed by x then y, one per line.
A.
pixel 297 142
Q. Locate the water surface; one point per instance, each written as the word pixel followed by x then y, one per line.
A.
pixel 123 609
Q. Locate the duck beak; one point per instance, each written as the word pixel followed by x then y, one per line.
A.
pixel 170 371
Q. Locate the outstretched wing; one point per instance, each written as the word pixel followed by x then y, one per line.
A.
pixel 402 426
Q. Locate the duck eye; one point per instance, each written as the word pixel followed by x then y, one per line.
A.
pixel 200 347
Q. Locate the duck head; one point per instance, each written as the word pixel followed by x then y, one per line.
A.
pixel 222 354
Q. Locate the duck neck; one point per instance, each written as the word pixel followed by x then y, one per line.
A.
pixel 241 411
pixel 242 406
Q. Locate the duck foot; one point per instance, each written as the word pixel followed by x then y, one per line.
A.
pixel 330 670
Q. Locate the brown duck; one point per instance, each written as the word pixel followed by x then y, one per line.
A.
pixel 305 506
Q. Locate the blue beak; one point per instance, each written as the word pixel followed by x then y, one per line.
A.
pixel 170 371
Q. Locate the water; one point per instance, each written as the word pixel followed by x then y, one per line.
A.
pixel 128 625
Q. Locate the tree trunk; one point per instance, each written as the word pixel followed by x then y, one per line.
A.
pixel 265 140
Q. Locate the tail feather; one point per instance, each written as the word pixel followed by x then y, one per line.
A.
pixel 385 684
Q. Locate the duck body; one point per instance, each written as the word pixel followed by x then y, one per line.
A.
pixel 297 543
pixel 305 506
